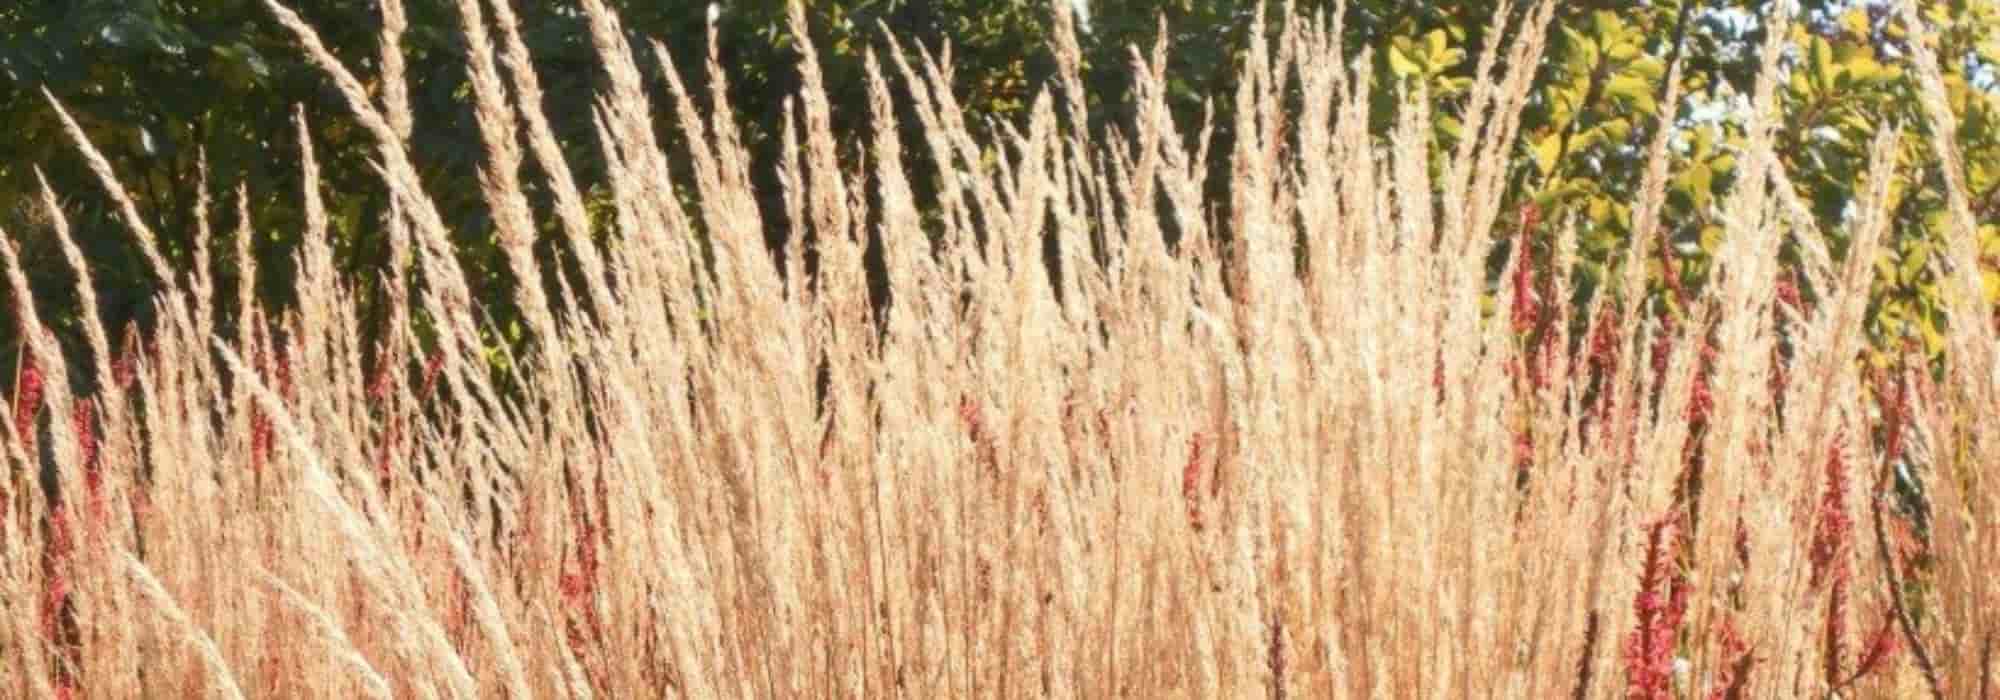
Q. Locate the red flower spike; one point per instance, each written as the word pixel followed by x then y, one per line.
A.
pixel 1882 646
pixel 27 400
pixel 1191 480
pixel 83 420
pixel 1736 660
pixel 1660 604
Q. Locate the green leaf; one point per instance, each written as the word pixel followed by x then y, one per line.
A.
pixel 1914 261
pixel 1599 209
pixel 1634 89
pixel 1608 28
pixel 1711 238
pixel 1554 196
pixel 1617 130
pixel 1648 68
pixel 1586 48
pixel 1450 126
pixel 1869 72
pixel 1546 152
pixel 1822 61
pixel 1697 182
pixel 1933 340
pixel 1402 65
pixel 1855 22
